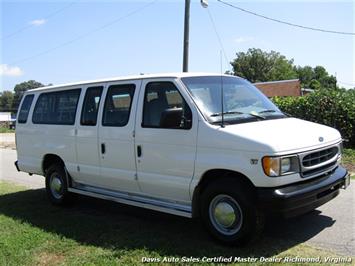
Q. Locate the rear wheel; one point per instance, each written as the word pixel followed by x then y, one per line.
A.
pixel 57 185
pixel 229 213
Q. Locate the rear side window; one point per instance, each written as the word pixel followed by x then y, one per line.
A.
pixel 25 109
pixel 118 105
pixel 56 107
pixel 91 106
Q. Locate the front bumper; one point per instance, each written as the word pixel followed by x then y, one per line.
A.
pixel 295 199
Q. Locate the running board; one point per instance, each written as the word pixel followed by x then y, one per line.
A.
pixel 134 200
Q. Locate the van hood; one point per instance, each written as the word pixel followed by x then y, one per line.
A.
pixel 283 135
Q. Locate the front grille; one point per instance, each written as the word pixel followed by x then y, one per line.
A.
pixel 319 162
pixel 321 169
pixel 319 157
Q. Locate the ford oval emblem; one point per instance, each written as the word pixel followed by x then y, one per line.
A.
pixel 321 139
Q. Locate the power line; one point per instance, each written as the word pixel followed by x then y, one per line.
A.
pixel 285 22
pixel 217 35
pixel 347 83
pixel 85 34
pixel 31 25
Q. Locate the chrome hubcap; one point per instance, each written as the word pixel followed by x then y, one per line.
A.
pixel 225 214
pixel 56 186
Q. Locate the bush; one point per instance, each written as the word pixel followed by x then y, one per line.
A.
pixel 331 107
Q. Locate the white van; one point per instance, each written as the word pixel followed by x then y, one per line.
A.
pixel 187 144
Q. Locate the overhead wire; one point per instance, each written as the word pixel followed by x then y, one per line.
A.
pixel 56 12
pixel 106 25
pixel 286 22
pixel 346 83
pixel 217 35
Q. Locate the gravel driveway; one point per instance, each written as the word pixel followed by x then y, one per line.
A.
pixel 7 140
pixel 332 226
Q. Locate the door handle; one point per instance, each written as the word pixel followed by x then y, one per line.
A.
pixel 139 150
pixel 103 148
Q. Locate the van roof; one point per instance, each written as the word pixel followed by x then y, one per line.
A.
pixel 133 77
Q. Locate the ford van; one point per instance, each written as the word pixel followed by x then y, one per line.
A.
pixel 196 145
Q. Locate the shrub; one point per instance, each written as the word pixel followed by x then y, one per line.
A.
pixel 331 107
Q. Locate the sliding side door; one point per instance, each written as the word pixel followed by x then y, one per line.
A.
pixel 116 136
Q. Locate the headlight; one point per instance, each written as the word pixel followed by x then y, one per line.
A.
pixel 277 166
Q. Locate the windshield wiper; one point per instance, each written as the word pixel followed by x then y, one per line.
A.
pixel 273 111
pixel 267 111
pixel 236 112
pixel 227 113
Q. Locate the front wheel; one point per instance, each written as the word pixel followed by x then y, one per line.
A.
pixel 229 213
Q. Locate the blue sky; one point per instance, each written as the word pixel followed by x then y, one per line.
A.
pixel 64 41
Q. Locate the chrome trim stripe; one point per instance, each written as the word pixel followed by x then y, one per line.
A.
pixel 304 154
pixel 133 199
pixel 322 171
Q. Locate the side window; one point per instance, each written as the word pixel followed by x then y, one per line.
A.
pixel 25 109
pixel 118 105
pixel 56 107
pixel 164 107
pixel 91 106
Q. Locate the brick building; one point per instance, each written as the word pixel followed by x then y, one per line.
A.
pixel 290 87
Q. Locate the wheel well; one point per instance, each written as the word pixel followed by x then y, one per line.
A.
pixel 50 159
pixel 213 176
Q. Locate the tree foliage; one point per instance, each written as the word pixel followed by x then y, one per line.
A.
pixel 6 100
pixel 9 101
pixel 258 66
pixel 21 88
pixel 315 78
pixel 331 107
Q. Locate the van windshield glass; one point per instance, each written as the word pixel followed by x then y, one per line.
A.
pixel 242 100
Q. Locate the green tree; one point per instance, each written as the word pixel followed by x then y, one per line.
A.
pixel 305 75
pixel 256 66
pixel 20 90
pixel 6 100
pixel 315 78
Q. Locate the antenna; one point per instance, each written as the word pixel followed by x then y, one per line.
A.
pixel 222 94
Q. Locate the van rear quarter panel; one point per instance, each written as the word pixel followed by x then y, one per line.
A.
pixel 34 141
pixel 39 140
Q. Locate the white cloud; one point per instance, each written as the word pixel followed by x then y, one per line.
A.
pixel 12 71
pixel 38 22
pixel 244 39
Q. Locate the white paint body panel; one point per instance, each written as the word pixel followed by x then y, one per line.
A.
pixel 118 168
pixel 87 146
pixel 173 161
pixel 166 166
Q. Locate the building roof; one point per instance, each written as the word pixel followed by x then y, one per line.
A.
pixel 276 81
pixel 291 87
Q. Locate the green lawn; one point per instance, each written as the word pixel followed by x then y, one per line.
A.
pixel 6 130
pixel 33 232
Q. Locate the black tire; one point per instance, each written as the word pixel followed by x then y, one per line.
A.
pixel 59 196
pixel 243 225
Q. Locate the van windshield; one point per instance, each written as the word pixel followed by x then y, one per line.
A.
pixel 243 102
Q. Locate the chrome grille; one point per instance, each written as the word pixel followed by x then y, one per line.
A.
pixel 319 156
pixel 318 162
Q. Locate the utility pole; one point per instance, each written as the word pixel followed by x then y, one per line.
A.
pixel 185 63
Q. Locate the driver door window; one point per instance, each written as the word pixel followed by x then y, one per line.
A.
pixel 164 107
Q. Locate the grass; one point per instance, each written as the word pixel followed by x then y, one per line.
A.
pixel 6 130
pixel 92 231
pixel 348 160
